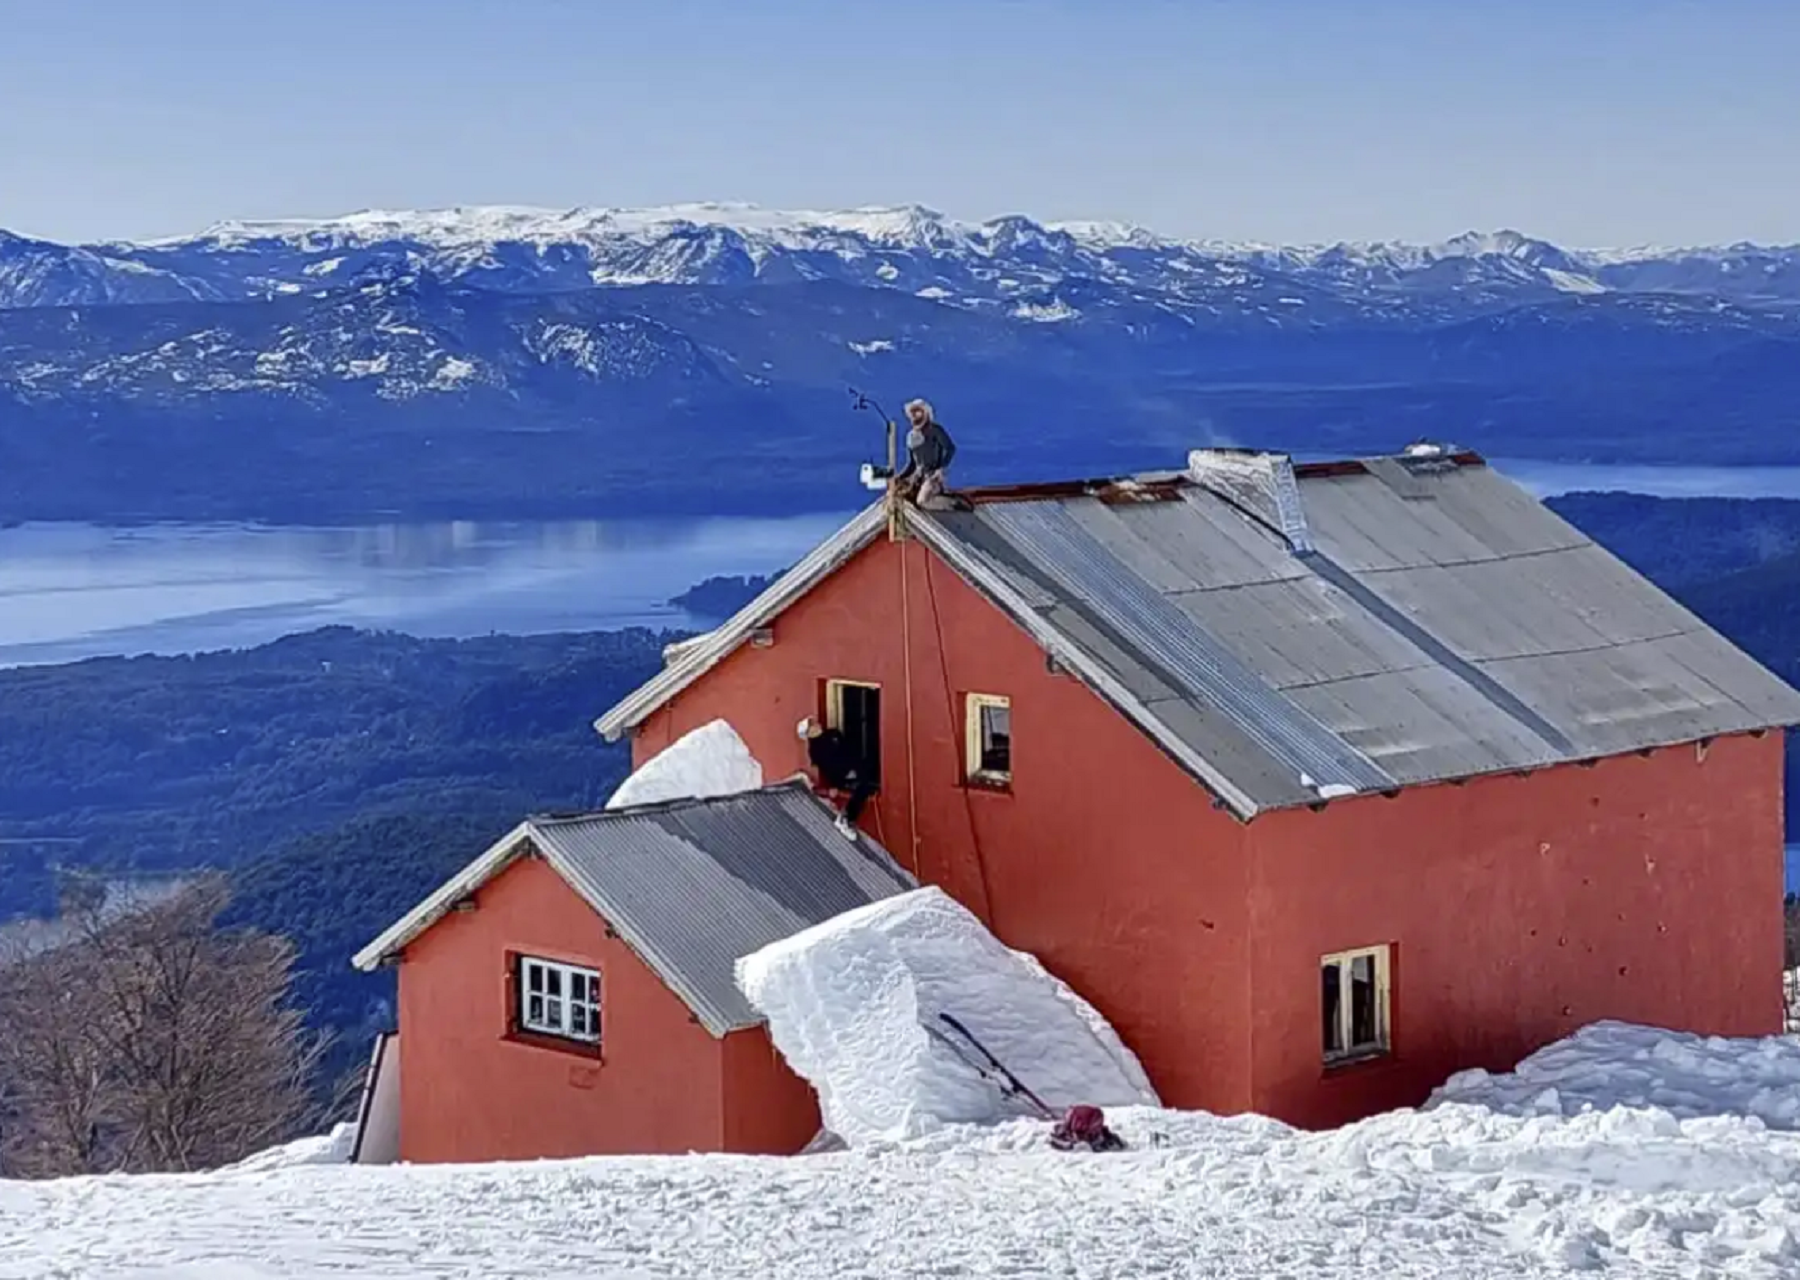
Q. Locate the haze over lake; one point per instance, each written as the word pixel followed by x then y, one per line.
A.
pixel 70 591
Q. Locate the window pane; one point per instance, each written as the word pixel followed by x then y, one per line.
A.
pixel 534 977
pixel 593 988
pixel 1334 1040
pixel 553 1014
pixel 534 1009
pixel 553 981
pixel 578 1019
pixel 996 739
pixel 1362 1001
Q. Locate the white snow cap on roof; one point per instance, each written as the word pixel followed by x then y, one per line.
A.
pixel 709 761
pixel 848 1003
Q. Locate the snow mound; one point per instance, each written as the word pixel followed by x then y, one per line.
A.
pixel 1618 1064
pixel 709 761
pixel 849 1001
pixel 323 1148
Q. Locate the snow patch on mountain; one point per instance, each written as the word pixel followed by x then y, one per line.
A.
pixel 1045 313
pixel 913 248
pixel 1570 282
pixel 452 373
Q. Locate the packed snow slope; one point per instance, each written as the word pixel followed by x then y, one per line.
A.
pixel 1494 1185
pixel 853 1004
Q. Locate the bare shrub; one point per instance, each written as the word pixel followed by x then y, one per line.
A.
pixel 151 1040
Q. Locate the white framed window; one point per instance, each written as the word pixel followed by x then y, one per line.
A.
pixel 1356 1003
pixel 987 724
pixel 557 999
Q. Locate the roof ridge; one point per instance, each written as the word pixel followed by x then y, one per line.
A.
pixel 791 783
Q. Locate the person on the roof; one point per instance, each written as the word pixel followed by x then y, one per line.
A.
pixel 929 451
pixel 839 768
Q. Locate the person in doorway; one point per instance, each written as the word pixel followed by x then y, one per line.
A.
pixel 839 768
pixel 929 451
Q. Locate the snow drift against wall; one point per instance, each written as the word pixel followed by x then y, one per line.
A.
pixel 848 1002
pixel 1617 1064
pixel 709 761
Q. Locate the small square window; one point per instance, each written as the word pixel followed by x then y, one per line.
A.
pixel 1355 1004
pixel 989 745
pixel 559 1000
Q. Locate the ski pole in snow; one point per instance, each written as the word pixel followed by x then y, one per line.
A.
pixel 1013 1084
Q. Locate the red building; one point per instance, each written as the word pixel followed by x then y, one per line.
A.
pixel 1321 782
pixel 571 992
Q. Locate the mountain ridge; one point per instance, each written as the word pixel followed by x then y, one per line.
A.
pixel 490 362
pixel 908 247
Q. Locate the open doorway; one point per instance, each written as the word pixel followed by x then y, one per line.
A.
pixel 854 709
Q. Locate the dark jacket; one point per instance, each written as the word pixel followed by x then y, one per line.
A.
pixel 835 759
pixel 932 451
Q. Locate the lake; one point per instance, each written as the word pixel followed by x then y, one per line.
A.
pixel 71 591
pixel 76 591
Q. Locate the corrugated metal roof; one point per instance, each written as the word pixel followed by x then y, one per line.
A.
pixel 1442 624
pixel 692 886
pixel 1287 631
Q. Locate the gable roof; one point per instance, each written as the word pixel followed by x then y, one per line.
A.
pixel 690 885
pixel 1296 633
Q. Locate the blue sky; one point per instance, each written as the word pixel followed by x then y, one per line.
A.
pixel 1592 122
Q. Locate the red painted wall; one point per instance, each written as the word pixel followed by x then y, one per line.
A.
pixel 467 1093
pixel 768 1109
pixel 1644 888
pixel 1105 860
pixel 1511 899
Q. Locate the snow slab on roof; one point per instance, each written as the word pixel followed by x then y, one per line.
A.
pixel 848 1002
pixel 709 761
pixel 1619 1064
pixel 1457 1191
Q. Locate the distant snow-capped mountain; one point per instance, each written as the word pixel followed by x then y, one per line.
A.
pixel 1009 263
pixel 501 359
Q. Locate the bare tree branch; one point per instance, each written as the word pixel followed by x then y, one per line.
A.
pixel 152 1040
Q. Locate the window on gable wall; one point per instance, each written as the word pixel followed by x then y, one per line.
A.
pixel 1355 1003
pixel 557 999
pixel 988 749
pixel 854 709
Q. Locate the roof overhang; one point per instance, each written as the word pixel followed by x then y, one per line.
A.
pixel 688 660
pixel 492 861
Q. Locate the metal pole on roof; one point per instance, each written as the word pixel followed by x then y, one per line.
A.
pixel 895 521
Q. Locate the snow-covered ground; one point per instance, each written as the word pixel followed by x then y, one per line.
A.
pixel 1501 1182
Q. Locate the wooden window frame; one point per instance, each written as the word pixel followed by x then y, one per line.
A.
pixel 834 698
pixel 973 705
pixel 520 1031
pixel 1383 1044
